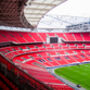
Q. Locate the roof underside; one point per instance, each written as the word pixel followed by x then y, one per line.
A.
pixel 25 13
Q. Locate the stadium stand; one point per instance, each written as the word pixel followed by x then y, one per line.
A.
pixel 36 58
pixel 26 58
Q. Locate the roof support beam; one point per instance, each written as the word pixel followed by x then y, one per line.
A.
pixel 45 4
pixel 41 9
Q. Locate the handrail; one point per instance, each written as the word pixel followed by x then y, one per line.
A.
pixel 74 41
pixel 7 44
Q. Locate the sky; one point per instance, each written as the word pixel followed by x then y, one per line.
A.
pixel 74 8
pixel 79 8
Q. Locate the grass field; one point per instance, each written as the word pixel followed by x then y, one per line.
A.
pixel 76 74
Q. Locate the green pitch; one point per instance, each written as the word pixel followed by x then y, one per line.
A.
pixel 76 74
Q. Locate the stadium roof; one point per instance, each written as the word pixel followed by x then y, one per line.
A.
pixel 25 13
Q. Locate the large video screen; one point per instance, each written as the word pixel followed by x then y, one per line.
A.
pixel 53 39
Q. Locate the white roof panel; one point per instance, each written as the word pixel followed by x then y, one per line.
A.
pixel 36 9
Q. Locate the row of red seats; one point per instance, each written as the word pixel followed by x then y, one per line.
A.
pixel 3 86
pixel 7 84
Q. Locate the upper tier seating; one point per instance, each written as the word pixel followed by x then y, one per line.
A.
pixel 29 37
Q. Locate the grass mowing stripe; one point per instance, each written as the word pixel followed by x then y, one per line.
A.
pixel 78 74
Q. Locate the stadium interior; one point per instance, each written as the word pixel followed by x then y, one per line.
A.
pixel 28 57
